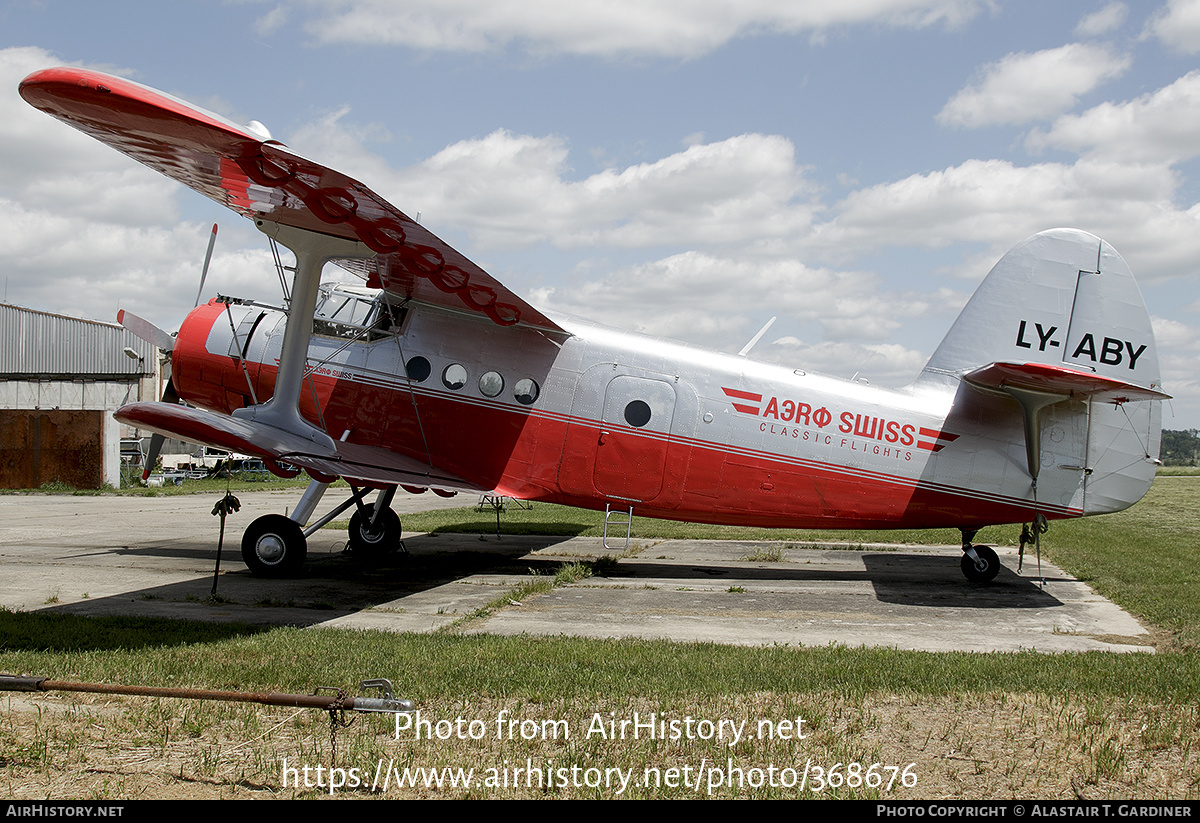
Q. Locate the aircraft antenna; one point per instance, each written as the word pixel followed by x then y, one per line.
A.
pixel 854 379
pixel 746 348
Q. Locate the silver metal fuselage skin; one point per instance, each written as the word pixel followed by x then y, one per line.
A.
pixel 727 439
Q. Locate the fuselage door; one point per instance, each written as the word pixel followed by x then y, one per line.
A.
pixel 635 432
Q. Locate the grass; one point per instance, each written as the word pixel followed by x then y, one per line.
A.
pixel 1092 725
pixel 1144 558
pixel 1178 471
pixel 460 667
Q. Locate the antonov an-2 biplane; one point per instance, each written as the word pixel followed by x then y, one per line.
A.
pixel 1041 403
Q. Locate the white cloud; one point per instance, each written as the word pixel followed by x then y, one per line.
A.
pixel 271 22
pixel 508 190
pixel 1159 127
pixel 1025 87
pixel 1178 352
pixel 44 159
pixel 997 202
pixel 721 301
pixel 1177 25
pixel 1108 19
pixel 672 28
pixel 881 364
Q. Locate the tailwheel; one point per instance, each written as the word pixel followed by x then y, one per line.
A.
pixel 983 567
pixel 373 542
pixel 274 546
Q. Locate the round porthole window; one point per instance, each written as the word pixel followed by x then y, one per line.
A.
pixel 526 391
pixel 418 369
pixel 491 384
pixel 637 413
pixel 454 377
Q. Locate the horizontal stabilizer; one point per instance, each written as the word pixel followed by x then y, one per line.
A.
pixel 1042 377
pixel 369 464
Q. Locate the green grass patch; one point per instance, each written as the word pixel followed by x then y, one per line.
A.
pixel 1144 558
pixel 45 632
pixel 440 667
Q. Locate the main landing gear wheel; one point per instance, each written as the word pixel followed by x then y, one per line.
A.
pixel 274 546
pixel 373 542
pixel 981 570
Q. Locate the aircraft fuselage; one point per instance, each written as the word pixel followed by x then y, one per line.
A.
pixel 674 431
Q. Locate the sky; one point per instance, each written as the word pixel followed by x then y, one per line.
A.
pixel 684 168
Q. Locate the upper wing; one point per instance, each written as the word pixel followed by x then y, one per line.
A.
pixel 262 179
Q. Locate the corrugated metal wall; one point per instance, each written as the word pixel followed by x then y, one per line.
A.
pixel 39 344
pixel 60 380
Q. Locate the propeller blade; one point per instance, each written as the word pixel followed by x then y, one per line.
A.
pixel 212 241
pixel 144 329
pixel 157 440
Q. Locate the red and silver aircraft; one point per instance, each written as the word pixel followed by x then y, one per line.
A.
pixel 1041 402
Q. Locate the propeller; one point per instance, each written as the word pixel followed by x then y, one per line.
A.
pixel 152 334
pixel 143 329
pixel 212 241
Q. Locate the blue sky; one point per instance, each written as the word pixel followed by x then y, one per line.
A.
pixel 687 169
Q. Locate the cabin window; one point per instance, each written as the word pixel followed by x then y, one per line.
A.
pixel 491 384
pixel 454 377
pixel 418 369
pixel 637 413
pixel 355 313
pixel 526 391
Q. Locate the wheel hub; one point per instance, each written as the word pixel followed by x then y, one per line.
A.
pixel 270 548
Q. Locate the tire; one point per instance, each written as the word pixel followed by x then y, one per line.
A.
pixel 274 546
pixel 373 543
pixel 981 575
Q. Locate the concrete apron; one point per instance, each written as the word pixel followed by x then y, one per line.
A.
pixel 155 557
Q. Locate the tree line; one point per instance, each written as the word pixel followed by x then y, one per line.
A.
pixel 1180 448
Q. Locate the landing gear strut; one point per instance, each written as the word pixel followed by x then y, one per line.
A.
pixel 375 531
pixel 979 563
pixel 276 546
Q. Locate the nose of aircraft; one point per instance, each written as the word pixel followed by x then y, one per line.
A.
pixel 186 349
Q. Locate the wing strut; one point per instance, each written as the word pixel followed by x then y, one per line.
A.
pixel 312 252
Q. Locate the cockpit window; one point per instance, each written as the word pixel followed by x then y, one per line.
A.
pixel 350 312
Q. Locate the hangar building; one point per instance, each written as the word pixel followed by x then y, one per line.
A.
pixel 61 378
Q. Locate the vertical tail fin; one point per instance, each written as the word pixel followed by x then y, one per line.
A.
pixel 1059 325
pixel 1061 298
